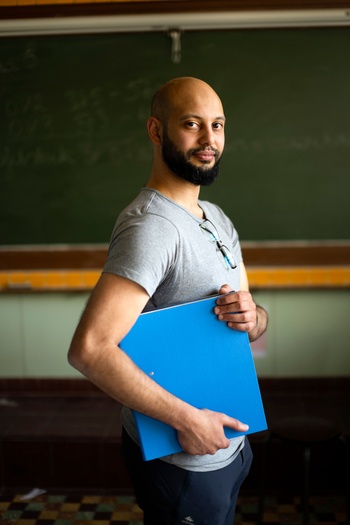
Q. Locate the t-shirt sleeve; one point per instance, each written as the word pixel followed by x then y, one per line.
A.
pixel 144 250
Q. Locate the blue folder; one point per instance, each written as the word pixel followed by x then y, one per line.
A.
pixel 192 354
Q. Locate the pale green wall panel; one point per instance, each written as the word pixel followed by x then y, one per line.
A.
pixel 263 349
pixel 11 337
pixel 49 324
pixel 308 333
pixel 312 333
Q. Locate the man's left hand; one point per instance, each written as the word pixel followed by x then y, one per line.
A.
pixel 237 309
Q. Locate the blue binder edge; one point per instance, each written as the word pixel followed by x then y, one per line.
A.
pixel 185 345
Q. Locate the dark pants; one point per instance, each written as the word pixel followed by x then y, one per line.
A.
pixel 169 495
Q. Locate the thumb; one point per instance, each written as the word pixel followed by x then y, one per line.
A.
pixel 225 288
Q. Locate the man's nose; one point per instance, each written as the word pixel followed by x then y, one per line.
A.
pixel 207 136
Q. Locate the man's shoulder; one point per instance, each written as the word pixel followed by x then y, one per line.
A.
pixel 147 213
pixel 151 205
pixel 148 201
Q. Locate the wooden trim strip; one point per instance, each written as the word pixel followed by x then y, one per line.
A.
pixel 262 254
pixel 48 280
pixel 299 277
pixel 136 6
pixel 33 257
pixel 12 9
pixel 259 278
pixel 62 387
pixel 275 264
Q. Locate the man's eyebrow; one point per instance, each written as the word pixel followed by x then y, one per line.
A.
pixel 191 115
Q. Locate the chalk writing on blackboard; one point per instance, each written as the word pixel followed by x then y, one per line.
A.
pixel 90 153
pixel 27 60
pixel 83 153
pixel 35 157
pixel 27 116
pixel 88 110
pixel 277 144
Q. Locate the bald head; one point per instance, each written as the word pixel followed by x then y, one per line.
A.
pixel 187 130
pixel 179 93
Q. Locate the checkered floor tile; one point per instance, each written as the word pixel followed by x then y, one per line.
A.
pixel 59 509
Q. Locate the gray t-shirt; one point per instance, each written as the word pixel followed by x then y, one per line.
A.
pixel 161 246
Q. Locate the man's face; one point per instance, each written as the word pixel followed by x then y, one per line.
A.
pixel 180 162
pixel 193 137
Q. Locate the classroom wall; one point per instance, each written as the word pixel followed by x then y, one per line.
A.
pixel 63 160
pixel 308 334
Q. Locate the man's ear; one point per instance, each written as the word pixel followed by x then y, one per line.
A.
pixel 154 130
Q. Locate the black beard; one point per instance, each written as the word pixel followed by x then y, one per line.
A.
pixel 179 164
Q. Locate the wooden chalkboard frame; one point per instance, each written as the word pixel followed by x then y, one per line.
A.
pixel 125 7
pixel 269 265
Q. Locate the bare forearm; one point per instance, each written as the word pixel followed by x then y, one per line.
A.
pixel 117 375
pixel 199 431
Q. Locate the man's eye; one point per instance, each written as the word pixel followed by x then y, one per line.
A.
pixel 218 125
pixel 191 124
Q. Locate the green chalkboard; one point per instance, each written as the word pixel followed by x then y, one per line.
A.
pixel 74 148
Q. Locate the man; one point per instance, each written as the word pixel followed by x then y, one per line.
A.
pixel 160 255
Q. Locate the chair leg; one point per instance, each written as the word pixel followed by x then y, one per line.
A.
pixel 306 487
pixel 347 475
pixel 261 501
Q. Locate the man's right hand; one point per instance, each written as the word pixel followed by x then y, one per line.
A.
pixel 206 432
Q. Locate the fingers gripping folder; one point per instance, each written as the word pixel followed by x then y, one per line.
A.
pixel 196 357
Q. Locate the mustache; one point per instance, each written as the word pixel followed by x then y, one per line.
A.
pixel 204 148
